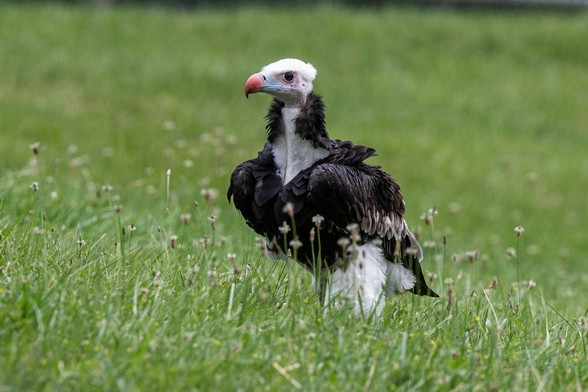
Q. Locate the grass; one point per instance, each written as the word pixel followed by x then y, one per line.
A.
pixel 117 276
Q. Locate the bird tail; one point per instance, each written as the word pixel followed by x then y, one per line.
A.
pixel 412 254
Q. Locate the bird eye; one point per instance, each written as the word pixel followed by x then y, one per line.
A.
pixel 289 76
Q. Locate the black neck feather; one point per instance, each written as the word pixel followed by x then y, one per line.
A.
pixel 310 124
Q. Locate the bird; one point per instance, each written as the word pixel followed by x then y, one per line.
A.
pixel 315 199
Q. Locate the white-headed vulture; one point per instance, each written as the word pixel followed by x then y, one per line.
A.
pixel 316 199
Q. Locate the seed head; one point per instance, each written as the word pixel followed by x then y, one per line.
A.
pixel 209 194
pixel 429 244
pixel 513 307
pixel 212 221
pixel 173 241
pixel 427 217
pixel 472 255
pixel 158 283
pixel 352 228
pixel 355 237
pixel 343 243
pixel 186 219
pixel 583 323
pixel 289 209
pixel 284 229
pixel 295 244
pixel 457 257
pixel 35 147
pixel 169 126
pixel 519 230
pixel 318 220
pixel 35 186
pixel 260 244
pixel 204 242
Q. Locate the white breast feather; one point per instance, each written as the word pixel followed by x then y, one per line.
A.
pixel 293 154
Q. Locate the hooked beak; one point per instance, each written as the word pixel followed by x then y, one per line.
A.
pixel 254 84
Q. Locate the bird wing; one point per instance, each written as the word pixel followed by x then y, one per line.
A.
pixel 362 194
pixel 253 184
pixel 347 191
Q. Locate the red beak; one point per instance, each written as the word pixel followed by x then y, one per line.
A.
pixel 254 84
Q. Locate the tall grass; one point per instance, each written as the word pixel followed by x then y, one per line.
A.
pixel 123 267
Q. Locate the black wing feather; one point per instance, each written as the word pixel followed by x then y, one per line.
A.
pixel 254 185
pixel 358 193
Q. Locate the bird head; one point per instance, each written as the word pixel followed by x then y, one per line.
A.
pixel 289 80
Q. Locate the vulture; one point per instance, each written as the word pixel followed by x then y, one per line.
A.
pixel 315 199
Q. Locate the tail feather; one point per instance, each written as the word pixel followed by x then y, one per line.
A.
pixel 420 287
pixel 412 261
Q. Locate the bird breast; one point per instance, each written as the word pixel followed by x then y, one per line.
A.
pixel 292 154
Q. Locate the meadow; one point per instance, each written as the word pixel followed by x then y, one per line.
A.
pixel 123 267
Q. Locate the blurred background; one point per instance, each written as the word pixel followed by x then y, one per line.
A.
pixel 123 266
pixel 359 3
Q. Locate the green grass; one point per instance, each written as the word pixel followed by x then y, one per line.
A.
pixel 482 116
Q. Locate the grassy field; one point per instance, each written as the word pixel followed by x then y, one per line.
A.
pixel 117 274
